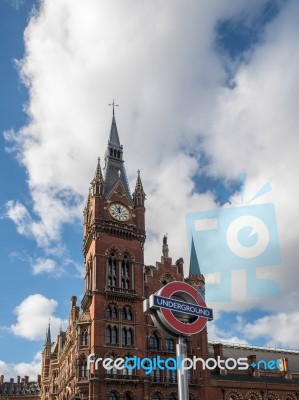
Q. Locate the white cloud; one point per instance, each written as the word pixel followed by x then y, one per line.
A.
pixel 160 64
pixel 279 329
pixel 33 315
pixel 42 265
pixel 31 369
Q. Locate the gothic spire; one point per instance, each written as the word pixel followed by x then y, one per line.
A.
pixel 139 195
pixel 194 268
pixel 48 336
pixel 113 137
pixel 114 164
pixel 97 182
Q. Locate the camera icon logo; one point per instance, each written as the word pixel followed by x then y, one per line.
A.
pixel 236 238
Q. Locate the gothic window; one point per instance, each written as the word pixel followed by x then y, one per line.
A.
pixel 111 152
pixel 154 342
pixel 125 283
pixel 171 373
pixel 127 337
pixel 111 335
pixel 127 396
pixel 118 154
pixel 84 338
pixel 156 375
pixel 112 265
pixel 112 396
pixel 112 270
pixel 171 397
pixel 127 314
pixel 83 369
pixel 169 344
pixel 111 312
pixel 125 268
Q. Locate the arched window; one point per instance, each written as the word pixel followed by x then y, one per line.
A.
pixel 126 314
pixel 111 312
pixel 118 154
pixel 111 335
pixel 129 315
pixel 111 152
pixel 127 337
pixel 156 375
pixel 112 396
pixel 124 336
pixel 125 268
pixel 154 342
pixel 84 338
pixel 114 335
pixel 83 369
pixel 108 334
pixel 112 265
pixel 169 344
pixel 171 397
pixel 171 373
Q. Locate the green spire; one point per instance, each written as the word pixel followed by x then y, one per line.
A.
pixel 194 268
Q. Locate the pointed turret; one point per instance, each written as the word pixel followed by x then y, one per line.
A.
pixel 48 336
pixel 114 138
pixel 194 268
pixel 98 181
pixel 195 277
pixel 165 249
pixel 114 165
pixel 139 194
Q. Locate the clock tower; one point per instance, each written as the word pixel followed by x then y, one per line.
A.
pixel 114 236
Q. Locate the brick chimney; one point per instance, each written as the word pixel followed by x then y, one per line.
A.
pixel 286 369
pixel 26 379
pixel 253 370
pixel 218 352
pixel 1 379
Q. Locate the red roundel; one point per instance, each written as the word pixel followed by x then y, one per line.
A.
pixel 181 287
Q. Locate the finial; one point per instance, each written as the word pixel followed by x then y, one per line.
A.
pixel 113 105
pixel 165 249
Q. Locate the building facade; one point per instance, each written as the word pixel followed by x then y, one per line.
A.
pixel 110 321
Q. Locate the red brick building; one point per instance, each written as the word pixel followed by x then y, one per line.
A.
pixel 110 321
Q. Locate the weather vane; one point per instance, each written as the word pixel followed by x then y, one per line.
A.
pixel 113 105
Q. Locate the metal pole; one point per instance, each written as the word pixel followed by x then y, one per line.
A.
pixel 181 351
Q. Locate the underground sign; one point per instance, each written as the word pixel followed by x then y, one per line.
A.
pixel 178 309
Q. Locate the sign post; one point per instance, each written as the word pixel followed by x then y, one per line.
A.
pixel 181 353
pixel 179 310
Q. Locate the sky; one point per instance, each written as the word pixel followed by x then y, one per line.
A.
pixel 207 94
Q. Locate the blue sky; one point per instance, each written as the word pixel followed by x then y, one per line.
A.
pixel 205 94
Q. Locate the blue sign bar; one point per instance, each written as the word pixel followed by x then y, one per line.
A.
pixel 181 306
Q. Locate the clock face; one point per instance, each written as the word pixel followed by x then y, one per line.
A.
pixel 119 212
